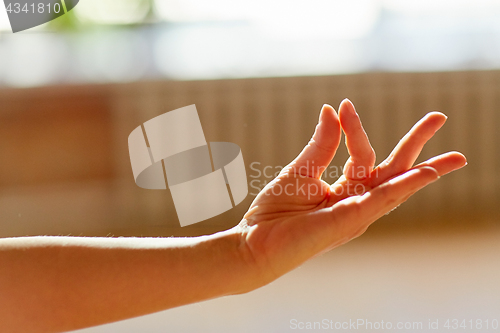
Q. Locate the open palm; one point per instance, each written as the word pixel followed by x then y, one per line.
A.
pixel 298 216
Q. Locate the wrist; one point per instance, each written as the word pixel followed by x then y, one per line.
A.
pixel 238 268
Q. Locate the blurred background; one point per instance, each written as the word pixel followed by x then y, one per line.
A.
pixel 72 90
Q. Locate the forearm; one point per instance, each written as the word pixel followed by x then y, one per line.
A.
pixel 63 283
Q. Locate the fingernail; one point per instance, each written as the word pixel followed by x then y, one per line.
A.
pixel 352 105
pixel 321 112
pixel 345 100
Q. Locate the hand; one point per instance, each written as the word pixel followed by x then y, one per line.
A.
pixel 298 216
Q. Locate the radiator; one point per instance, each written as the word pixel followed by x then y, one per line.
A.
pixel 271 119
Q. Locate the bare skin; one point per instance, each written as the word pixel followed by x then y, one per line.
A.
pixel 63 283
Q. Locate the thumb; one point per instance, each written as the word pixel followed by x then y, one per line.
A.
pixel 319 152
